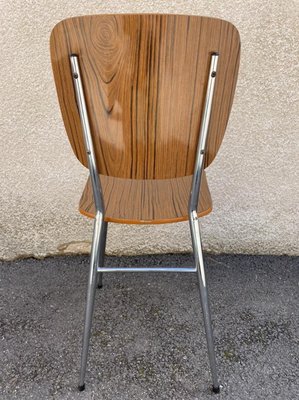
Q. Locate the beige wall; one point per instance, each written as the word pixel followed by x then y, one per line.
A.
pixel 254 180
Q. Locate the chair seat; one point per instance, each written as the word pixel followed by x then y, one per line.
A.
pixel 150 201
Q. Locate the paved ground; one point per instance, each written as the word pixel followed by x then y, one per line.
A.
pixel 148 340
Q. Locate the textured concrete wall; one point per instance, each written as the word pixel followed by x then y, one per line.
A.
pixel 254 180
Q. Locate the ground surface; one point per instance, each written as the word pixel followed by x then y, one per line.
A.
pixel 148 340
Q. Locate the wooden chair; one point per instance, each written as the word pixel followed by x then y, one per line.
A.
pixel 145 100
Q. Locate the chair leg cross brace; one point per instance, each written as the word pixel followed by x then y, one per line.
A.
pixel 147 269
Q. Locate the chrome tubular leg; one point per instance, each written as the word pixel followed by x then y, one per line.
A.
pixel 100 280
pixel 92 281
pixel 102 254
pixel 197 248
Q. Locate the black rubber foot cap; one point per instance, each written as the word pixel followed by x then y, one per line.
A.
pixel 100 286
pixel 81 387
pixel 216 389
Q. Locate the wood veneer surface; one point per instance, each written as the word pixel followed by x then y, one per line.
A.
pixel 149 201
pixel 145 78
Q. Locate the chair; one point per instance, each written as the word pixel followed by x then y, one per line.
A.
pixel 145 99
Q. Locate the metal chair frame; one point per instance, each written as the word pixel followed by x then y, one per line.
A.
pixel 100 225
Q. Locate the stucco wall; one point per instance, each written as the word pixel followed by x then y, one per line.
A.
pixel 254 180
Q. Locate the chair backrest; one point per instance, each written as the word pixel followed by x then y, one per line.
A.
pixel 145 77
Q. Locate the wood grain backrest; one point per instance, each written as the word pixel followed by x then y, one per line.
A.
pixel 145 77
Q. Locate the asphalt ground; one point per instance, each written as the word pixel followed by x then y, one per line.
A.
pixel 148 339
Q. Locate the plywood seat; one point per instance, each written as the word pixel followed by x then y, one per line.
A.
pixel 136 201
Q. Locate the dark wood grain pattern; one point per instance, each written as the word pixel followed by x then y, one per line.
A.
pixel 145 78
pixel 146 201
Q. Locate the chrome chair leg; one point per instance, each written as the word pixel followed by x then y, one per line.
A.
pixel 102 255
pixel 95 256
pixel 100 280
pixel 198 255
